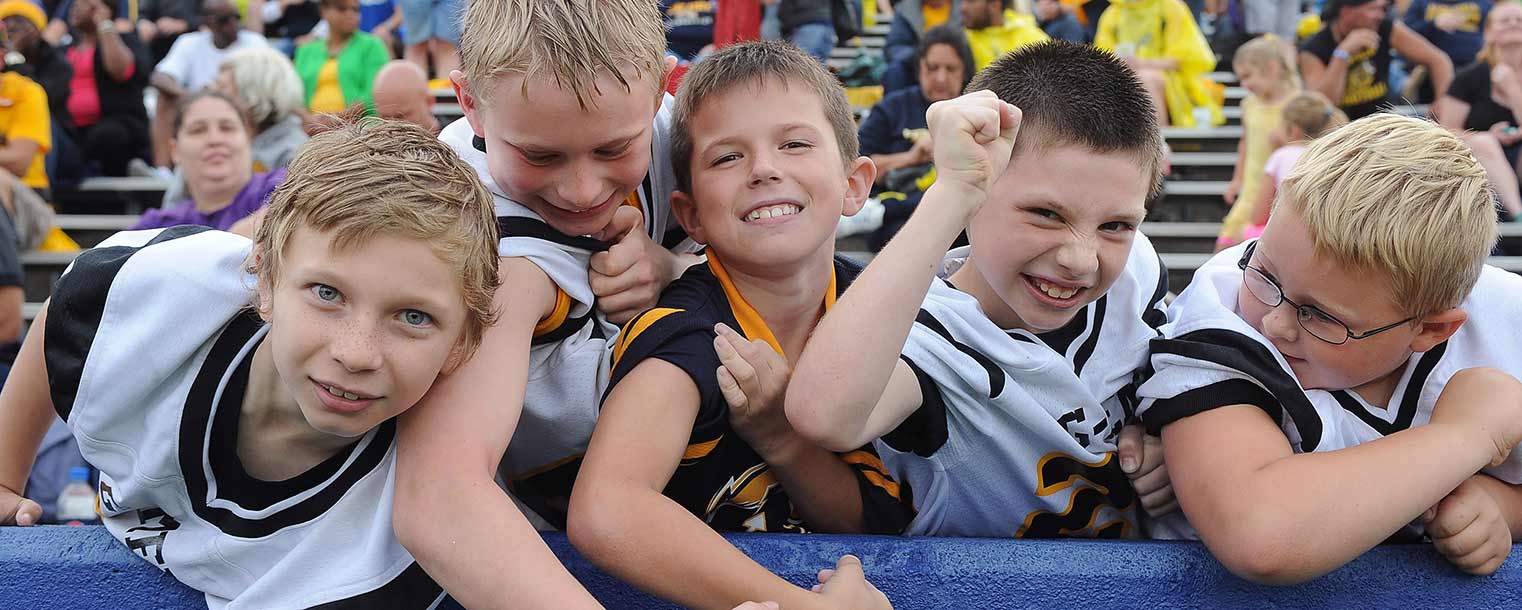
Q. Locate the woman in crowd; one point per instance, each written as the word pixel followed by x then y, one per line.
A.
pixel 211 144
pixel 1481 103
pixel 339 69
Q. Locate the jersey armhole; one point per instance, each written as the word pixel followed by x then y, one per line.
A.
pixel 925 431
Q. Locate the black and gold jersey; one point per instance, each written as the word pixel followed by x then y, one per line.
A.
pixel 720 478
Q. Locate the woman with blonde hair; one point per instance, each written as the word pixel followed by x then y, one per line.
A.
pixel 1482 103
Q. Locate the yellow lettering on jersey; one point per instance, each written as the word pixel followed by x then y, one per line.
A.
pixel 1361 86
pixel 756 523
pixel 1096 491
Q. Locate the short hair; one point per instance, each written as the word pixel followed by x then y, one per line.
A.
pixel 756 63
pixel 1073 94
pixel 1401 199
pixel 375 176
pixel 1313 114
pixel 267 84
pixel 952 36
pixel 571 41
pixel 183 107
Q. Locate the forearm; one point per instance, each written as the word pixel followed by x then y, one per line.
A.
pixel 484 552
pixel 1304 515
pixel 1333 80
pixel 1236 170
pixel 1442 73
pixel 118 58
pixel 166 84
pixel 651 542
pixel 1265 201
pixel 887 162
pixel 848 362
pixel 821 486
pixel 26 407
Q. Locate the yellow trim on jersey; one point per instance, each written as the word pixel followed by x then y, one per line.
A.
pixel 633 201
pixel 875 470
pixel 751 324
pixel 1047 489
pixel 698 450
pixel 637 326
pixel 529 474
pixel 557 315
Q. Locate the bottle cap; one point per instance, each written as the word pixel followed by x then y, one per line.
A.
pixel 79 473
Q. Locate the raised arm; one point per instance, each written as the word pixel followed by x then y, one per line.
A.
pixel 849 385
pixel 1416 49
pixel 449 512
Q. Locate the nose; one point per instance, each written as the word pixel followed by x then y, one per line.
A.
pixel 763 170
pixel 355 347
pixel 1281 323
pixel 1078 257
pixel 580 188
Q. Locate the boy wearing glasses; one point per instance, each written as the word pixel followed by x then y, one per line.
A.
pixel 1321 389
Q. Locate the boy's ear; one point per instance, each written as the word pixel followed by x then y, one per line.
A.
pixel 859 178
pixel 1437 328
pixel 467 102
pixel 686 211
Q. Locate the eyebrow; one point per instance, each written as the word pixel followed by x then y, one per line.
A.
pixel 784 128
pixel 616 141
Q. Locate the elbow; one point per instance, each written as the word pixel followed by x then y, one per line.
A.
pixel 1265 553
pixel 809 413
pixel 595 522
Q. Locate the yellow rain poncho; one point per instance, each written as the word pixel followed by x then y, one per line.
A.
pixel 1165 29
pixel 991 42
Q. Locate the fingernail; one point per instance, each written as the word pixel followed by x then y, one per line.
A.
pixel 1128 464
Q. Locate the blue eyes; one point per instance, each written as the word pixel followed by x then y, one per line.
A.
pixel 416 318
pixel 326 293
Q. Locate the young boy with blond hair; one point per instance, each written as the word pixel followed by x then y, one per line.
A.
pixel 238 396
pixel 692 440
pixel 1325 386
pixel 997 388
pixel 566 123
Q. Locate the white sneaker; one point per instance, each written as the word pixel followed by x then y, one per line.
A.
pixel 869 219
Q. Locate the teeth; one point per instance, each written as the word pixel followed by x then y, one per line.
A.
pixel 772 211
pixel 1056 292
pixel 340 393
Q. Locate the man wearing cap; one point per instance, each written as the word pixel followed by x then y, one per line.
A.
pixel 1349 59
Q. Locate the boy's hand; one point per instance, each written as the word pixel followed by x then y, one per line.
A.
pixel 629 277
pixel 1232 189
pixel 753 378
pixel 1141 458
pixel 1468 529
pixel 973 136
pixel 16 510
pixel 846 586
pixel 1488 404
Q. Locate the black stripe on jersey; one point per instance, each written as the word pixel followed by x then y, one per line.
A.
pixel 410 590
pixel 1062 338
pixel 233 483
pixel 1154 316
pixel 1087 349
pixel 74 312
pixel 566 329
pixel 1202 399
pixel 995 374
pixel 1409 401
pixel 523 226
pixel 924 432
pixel 675 235
pixel 1241 353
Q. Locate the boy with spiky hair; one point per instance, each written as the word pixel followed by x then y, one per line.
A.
pixel 996 379
pixel 692 440
pixel 1328 385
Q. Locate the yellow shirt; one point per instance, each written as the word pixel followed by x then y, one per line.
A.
pixel 935 16
pixel 991 42
pixel 24 116
pixel 328 97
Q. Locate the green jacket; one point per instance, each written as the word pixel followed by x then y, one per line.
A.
pixel 358 63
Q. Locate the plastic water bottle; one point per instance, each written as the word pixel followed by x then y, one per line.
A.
pixel 76 505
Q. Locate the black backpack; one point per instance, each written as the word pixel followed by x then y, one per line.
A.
pixel 845 15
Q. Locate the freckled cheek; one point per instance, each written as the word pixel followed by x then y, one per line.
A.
pixel 521 180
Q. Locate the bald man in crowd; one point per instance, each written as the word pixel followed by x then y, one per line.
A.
pixel 401 93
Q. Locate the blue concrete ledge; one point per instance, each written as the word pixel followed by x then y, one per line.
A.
pixel 85 569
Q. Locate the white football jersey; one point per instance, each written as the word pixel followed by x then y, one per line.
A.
pixel 571 357
pixel 148 343
pixel 1016 432
pixel 1209 357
